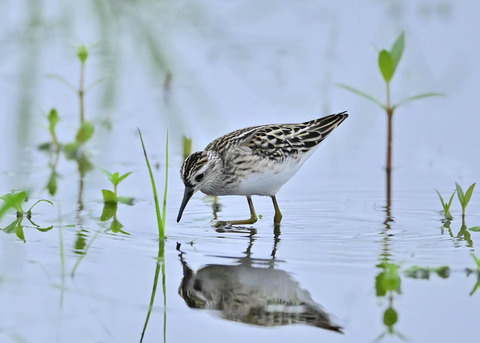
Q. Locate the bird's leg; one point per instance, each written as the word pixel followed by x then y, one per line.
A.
pixel 278 215
pixel 253 217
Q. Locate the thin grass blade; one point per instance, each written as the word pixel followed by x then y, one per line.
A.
pixel 161 227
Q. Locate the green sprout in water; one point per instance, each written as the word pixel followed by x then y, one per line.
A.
pixel 388 61
pixel 446 205
pixel 111 200
pixel 115 179
pixel 14 201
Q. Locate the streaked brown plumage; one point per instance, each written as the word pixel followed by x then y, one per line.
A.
pixel 256 160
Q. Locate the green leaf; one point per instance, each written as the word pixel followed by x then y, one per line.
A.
pixel 85 132
pixel 53 119
pixel 397 50
pixel 52 183
pixel 390 317
pixel 116 226
pixel 477 260
pixel 387 65
pixel 44 229
pixel 362 94
pixel 108 174
pixel 124 176
pixel 70 150
pixel 82 53
pixel 109 196
pixel 443 271
pixel 451 200
pixel 84 165
pixel 13 225
pixel 126 200
pixel 418 96
pixel 475 228
pixel 13 200
pixel 63 80
pixel 441 199
pixel 460 194
pixel 468 194
pixel 416 272
pixel 109 210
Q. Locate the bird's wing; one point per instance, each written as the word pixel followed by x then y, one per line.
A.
pixel 277 142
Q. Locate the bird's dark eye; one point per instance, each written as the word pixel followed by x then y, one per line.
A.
pixel 199 177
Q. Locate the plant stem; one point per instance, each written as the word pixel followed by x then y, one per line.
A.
pixel 81 92
pixel 389 109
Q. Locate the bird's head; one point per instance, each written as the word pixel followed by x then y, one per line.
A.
pixel 198 172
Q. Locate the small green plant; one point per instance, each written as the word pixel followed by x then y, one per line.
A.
pixel 446 205
pixel 161 216
pixel 111 200
pixel 388 61
pixel 464 198
pixel 15 201
pixel 86 129
pixel 112 197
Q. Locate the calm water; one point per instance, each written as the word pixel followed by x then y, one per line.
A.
pixel 204 70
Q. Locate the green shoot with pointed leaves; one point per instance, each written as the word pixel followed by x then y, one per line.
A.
pixel 388 61
pixel 446 205
pixel 115 179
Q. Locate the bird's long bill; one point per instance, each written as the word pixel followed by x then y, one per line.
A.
pixel 186 196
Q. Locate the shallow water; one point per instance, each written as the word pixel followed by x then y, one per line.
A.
pixel 232 66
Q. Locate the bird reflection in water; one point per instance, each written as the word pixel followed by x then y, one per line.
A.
pixel 253 292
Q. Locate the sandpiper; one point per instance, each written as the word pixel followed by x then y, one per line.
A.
pixel 257 160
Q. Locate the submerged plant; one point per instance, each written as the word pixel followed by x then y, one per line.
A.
pixel 388 61
pixel 446 205
pixel 15 201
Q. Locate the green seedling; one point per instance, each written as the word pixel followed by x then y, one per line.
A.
pixel 112 197
pixel 111 200
pixel 388 61
pixel 464 198
pixel 15 201
pixel 161 216
pixel 446 205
